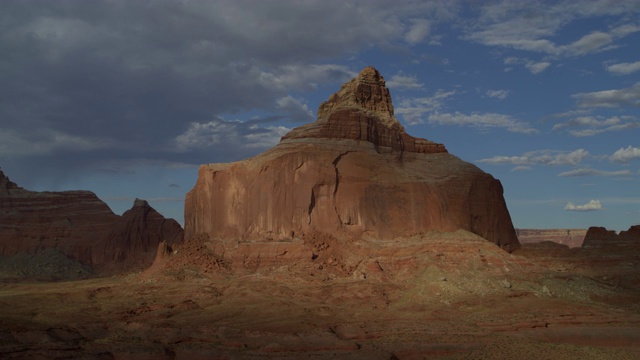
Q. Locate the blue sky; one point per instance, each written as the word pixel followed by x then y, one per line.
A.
pixel 127 98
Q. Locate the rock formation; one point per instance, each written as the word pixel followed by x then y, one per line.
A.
pixel 570 237
pixel 136 236
pixel 81 226
pixel 598 237
pixel 353 174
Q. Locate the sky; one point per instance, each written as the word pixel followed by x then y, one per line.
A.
pixel 128 98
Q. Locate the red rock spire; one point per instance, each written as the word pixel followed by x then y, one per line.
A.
pixel 362 110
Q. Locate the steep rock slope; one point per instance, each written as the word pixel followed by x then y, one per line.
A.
pixel 354 173
pixel 81 226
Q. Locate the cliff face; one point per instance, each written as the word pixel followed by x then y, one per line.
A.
pixel 353 173
pixel 81 226
pixel 135 238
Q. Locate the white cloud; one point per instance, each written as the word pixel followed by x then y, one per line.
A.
pixel 590 206
pixel 530 26
pixel 413 109
pixel 624 68
pixel 220 133
pixel 302 77
pixel 610 98
pixel 533 66
pixel 537 67
pixel 593 125
pixel 482 121
pixel 596 41
pixel 521 168
pixel 624 30
pixel 402 81
pixel 419 30
pixel 512 60
pixel 624 155
pixel 267 138
pixel 295 109
pixel 541 157
pixel 593 172
pixel 498 94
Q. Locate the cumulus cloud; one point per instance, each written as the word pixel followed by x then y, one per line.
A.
pixel 541 157
pixel 610 98
pixel 593 172
pixel 482 121
pixel 295 109
pixel 624 155
pixel 592 205
pixel 624 68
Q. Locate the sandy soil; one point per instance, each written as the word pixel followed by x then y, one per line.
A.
pixel 457 300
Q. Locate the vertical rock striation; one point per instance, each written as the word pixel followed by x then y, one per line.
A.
pixel 354 173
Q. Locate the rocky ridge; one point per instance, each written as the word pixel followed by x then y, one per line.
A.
pixel 79 225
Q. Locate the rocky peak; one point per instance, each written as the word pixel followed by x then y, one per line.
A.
pixel 367 92
pixel 362 110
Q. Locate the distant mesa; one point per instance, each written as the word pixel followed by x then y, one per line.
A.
pixel 572 238
pixel 353 174
pixel 600 237
pixel 82 227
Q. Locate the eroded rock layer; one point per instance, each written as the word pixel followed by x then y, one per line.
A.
pixel 353 173
pixel 570 237
pixel 81 226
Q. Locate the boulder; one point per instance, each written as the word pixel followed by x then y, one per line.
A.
pixel 353 174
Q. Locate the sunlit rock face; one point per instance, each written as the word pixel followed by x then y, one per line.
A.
pixel 353 174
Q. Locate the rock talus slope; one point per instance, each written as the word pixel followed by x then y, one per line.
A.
pixel 81 226
pixel 354 173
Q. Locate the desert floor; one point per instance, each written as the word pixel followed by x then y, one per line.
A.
pixel 459 301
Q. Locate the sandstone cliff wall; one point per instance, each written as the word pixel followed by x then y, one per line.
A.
pixel 81 226
pixel 353 173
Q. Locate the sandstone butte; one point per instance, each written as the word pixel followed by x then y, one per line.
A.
pixel 600 237
pixel 352 174
pixel 81 226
